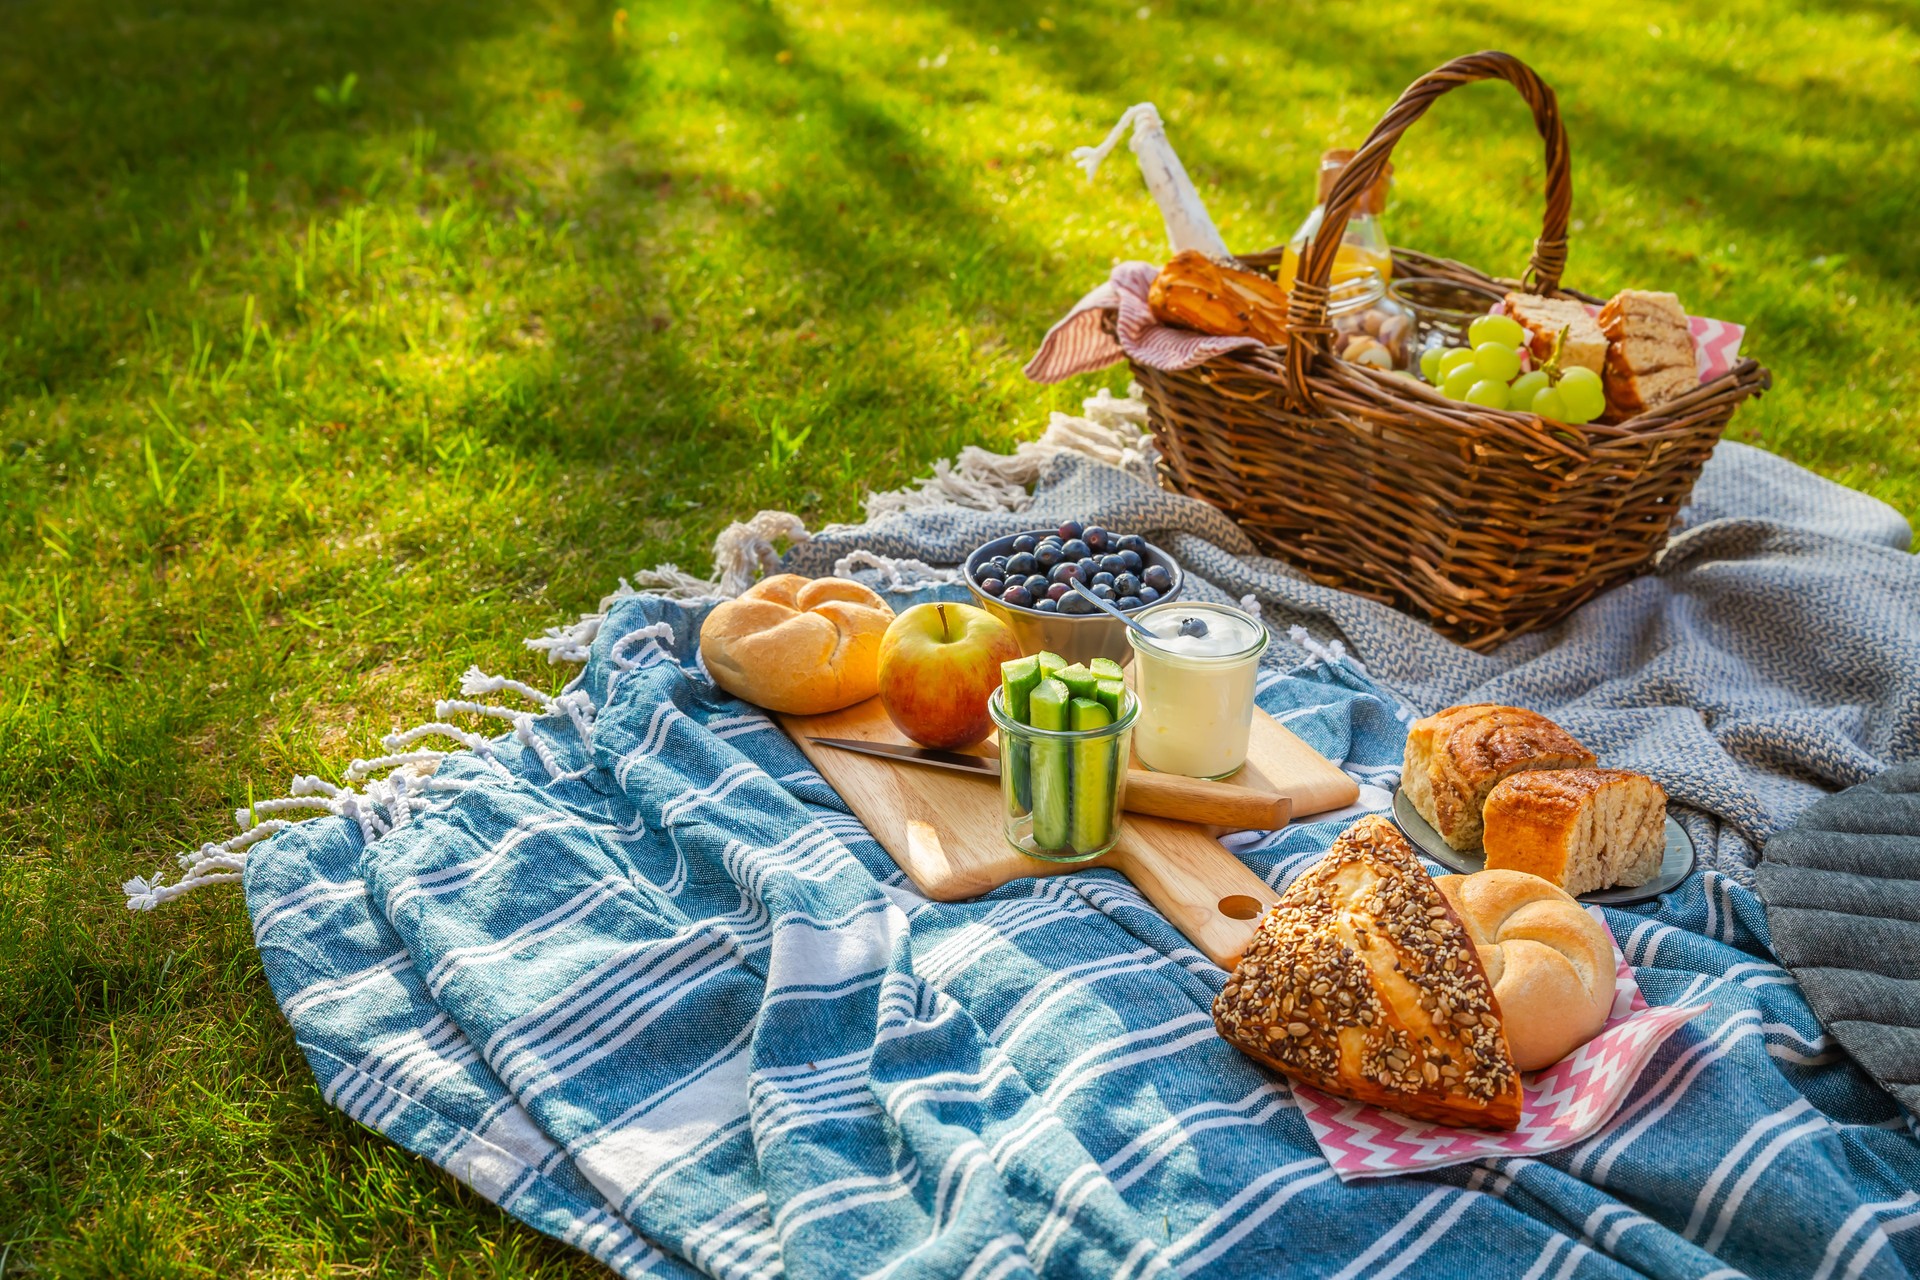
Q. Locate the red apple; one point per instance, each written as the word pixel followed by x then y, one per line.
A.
pixel 938 664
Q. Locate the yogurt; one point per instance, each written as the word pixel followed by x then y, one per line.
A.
pixel 1195 691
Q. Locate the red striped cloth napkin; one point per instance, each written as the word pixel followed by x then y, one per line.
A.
pixel 1080 343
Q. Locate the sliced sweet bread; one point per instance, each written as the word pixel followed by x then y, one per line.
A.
pixel 1650 359
pixel 1545 318
pixel 1456 756
pixel 1582 829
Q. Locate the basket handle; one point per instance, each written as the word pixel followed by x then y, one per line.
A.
pixel 1308 333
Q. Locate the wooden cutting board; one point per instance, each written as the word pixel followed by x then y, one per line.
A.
pixel 944 828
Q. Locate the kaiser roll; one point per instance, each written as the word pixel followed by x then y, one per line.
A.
pixel 1551 963
pixel 798 645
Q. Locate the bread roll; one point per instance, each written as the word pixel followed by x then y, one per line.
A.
pixel 1550 961
pixel 1650 358
pixel 1545 318
pixel 1454 758
pixel 1363 981
pixel 798 645
pixel 1195 292
pixel 1581 829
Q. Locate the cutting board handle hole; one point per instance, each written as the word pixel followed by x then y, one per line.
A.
pixel 1239 906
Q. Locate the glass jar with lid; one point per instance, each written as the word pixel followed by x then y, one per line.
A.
pixel 1441 309
pixel 1370 325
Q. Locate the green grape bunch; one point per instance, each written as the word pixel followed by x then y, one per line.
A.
pixel 1487 372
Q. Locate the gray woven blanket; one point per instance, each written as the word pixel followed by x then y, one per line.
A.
pixel 1771 657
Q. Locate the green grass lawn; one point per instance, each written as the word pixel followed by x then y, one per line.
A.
pixel 344 344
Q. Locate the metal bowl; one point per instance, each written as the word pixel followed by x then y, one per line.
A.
pixel 1077 637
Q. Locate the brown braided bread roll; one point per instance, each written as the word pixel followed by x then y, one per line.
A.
pixel 1363 982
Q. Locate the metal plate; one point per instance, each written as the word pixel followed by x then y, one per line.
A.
pixel 1675 867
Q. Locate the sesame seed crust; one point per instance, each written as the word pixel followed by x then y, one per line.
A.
pixel 1363 982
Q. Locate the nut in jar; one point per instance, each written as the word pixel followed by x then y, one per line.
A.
pixel 1370 326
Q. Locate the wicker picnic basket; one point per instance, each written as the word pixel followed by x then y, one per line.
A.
pixel 1486 523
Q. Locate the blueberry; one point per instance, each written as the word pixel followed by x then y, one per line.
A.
pixel 1070 529
pixel 1047 606
pixel 1096 537
pixel 1022 564
pixel 1103 580
pixel 1065 571
pixel 1126 584
pixel 1148 595
pixel 1133 561
pixel 1017 596
pixel 1074 549
pixel 1128 602
pixel 1157 577
pixel 1057 590
pixel 1112 564
pixel 1025 542
pixel 1103 591
pixel 1133 542
pixel 1088 566
pixel 1047 556
pixel 1076 603
pixel 1036 585
pixel 993 586
pixel 996 566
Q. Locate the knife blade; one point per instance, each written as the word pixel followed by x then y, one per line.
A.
pixel 1160 795
pixel 985 766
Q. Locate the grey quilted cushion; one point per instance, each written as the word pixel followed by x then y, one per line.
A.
pixel 1842 888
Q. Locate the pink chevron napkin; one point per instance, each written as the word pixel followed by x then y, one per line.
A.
pixel 1567 1102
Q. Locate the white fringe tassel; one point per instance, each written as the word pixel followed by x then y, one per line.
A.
pixel 1109 430
pixel 1333 652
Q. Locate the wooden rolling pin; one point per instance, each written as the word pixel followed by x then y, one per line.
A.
pixel 1215 804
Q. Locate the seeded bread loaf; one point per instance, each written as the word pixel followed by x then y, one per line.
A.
pixel 1581 829
pixel 1545 318
pixel 1456 756
pixel 1364 982
pixel 1550 963
pixel 1650 357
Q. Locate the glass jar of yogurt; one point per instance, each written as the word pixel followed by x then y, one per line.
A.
pixel 1195 685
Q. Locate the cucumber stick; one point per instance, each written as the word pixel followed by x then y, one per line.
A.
pixel 1105 669
pixel 1018 679
pixel 1092 823
pixel 1051 664
pixel 1079 681
pixel 1111 694
pixel 1049 767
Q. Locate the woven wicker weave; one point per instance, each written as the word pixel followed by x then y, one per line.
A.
pixel 1487 523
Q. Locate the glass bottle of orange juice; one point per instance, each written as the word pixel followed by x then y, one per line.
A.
pixel 1364 247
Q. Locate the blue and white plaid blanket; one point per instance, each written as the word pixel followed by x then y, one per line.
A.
pixel 633 972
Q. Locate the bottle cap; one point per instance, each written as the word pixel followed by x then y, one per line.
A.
pixel 1334 161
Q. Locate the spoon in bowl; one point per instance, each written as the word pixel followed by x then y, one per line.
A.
pixel 1188 626
pixel 1081 588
